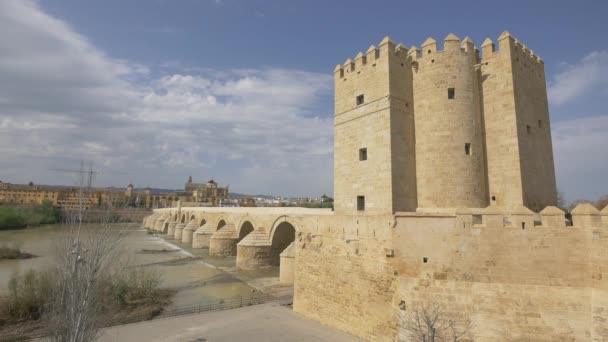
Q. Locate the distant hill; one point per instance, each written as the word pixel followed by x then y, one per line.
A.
pixel 237 195
pixel 232 194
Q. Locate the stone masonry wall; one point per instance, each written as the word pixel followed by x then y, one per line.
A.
pixel 539 283
pixel 342 278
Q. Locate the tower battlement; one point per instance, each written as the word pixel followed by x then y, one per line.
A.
pixel 445 128
pixel 506 42
pixel 386 49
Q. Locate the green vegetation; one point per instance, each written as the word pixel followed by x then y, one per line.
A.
pixel 326 202
pixel 21 217
pixel 132 295
pixel 28 294
pixel 134 286
pixel 10 219
pixel 319 205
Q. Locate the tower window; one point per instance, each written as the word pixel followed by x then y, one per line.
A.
pixel 360 100
pixel 360 203
pixel 451 93
pixel 363 154
pixel 540 124
pixel 528 129
pixel 467 149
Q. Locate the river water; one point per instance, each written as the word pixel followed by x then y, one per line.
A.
pixel 200 280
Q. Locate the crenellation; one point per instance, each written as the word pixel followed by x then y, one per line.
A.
pixel 585 215
pixel 349 65
pixel 467 45
pixel 604 215
pixel 372 53
pixel 360 61
pixel 387 45
pixel 401 50
pixel 339 71
pixel 413 54
pixel 451 42
pixel 521 217
pixel 429 46
pixel 553 216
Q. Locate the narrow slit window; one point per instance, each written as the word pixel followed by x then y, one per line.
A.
pixel 467 149
pixel 451 93
pixel 360 203
pixel 360 100
pixel 540 124
pixel 528 129
pixel 362 154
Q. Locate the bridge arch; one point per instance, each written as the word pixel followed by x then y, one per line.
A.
pixel 244 229
pixel 183 220
pixel 202 222
pixel 221 222
pixel 282 235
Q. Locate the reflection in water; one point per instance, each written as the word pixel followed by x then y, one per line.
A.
pixel 189 271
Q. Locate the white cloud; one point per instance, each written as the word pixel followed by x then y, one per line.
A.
pixel 591 73
pixel 64 100
pixel 581 156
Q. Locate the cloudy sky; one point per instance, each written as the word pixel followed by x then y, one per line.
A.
pixel 154 91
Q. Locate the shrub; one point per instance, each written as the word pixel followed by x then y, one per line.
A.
pixel 10 219
pixel 28 294
pixel 134 285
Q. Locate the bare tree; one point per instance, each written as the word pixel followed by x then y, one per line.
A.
pixel 84 257
pixel 432 322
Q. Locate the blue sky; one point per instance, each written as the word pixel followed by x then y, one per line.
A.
pixel 153 91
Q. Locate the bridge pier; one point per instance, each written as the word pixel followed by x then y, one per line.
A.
pixel 254 251
pixel 158 224
pixel 202 236
pixel 150 221
pixel 188 231
pixel 178 231
pixel 287 265
pixel 252 257
pixel 171 228
pixel 223 242
pixel 146 220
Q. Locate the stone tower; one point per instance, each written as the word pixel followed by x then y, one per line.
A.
pixel 374 162
pixel 450 158
pixel 518 132
pixel 433 129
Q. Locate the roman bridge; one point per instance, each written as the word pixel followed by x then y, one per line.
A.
pixel 257 236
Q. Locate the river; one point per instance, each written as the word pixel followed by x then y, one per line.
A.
pixel 200 280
